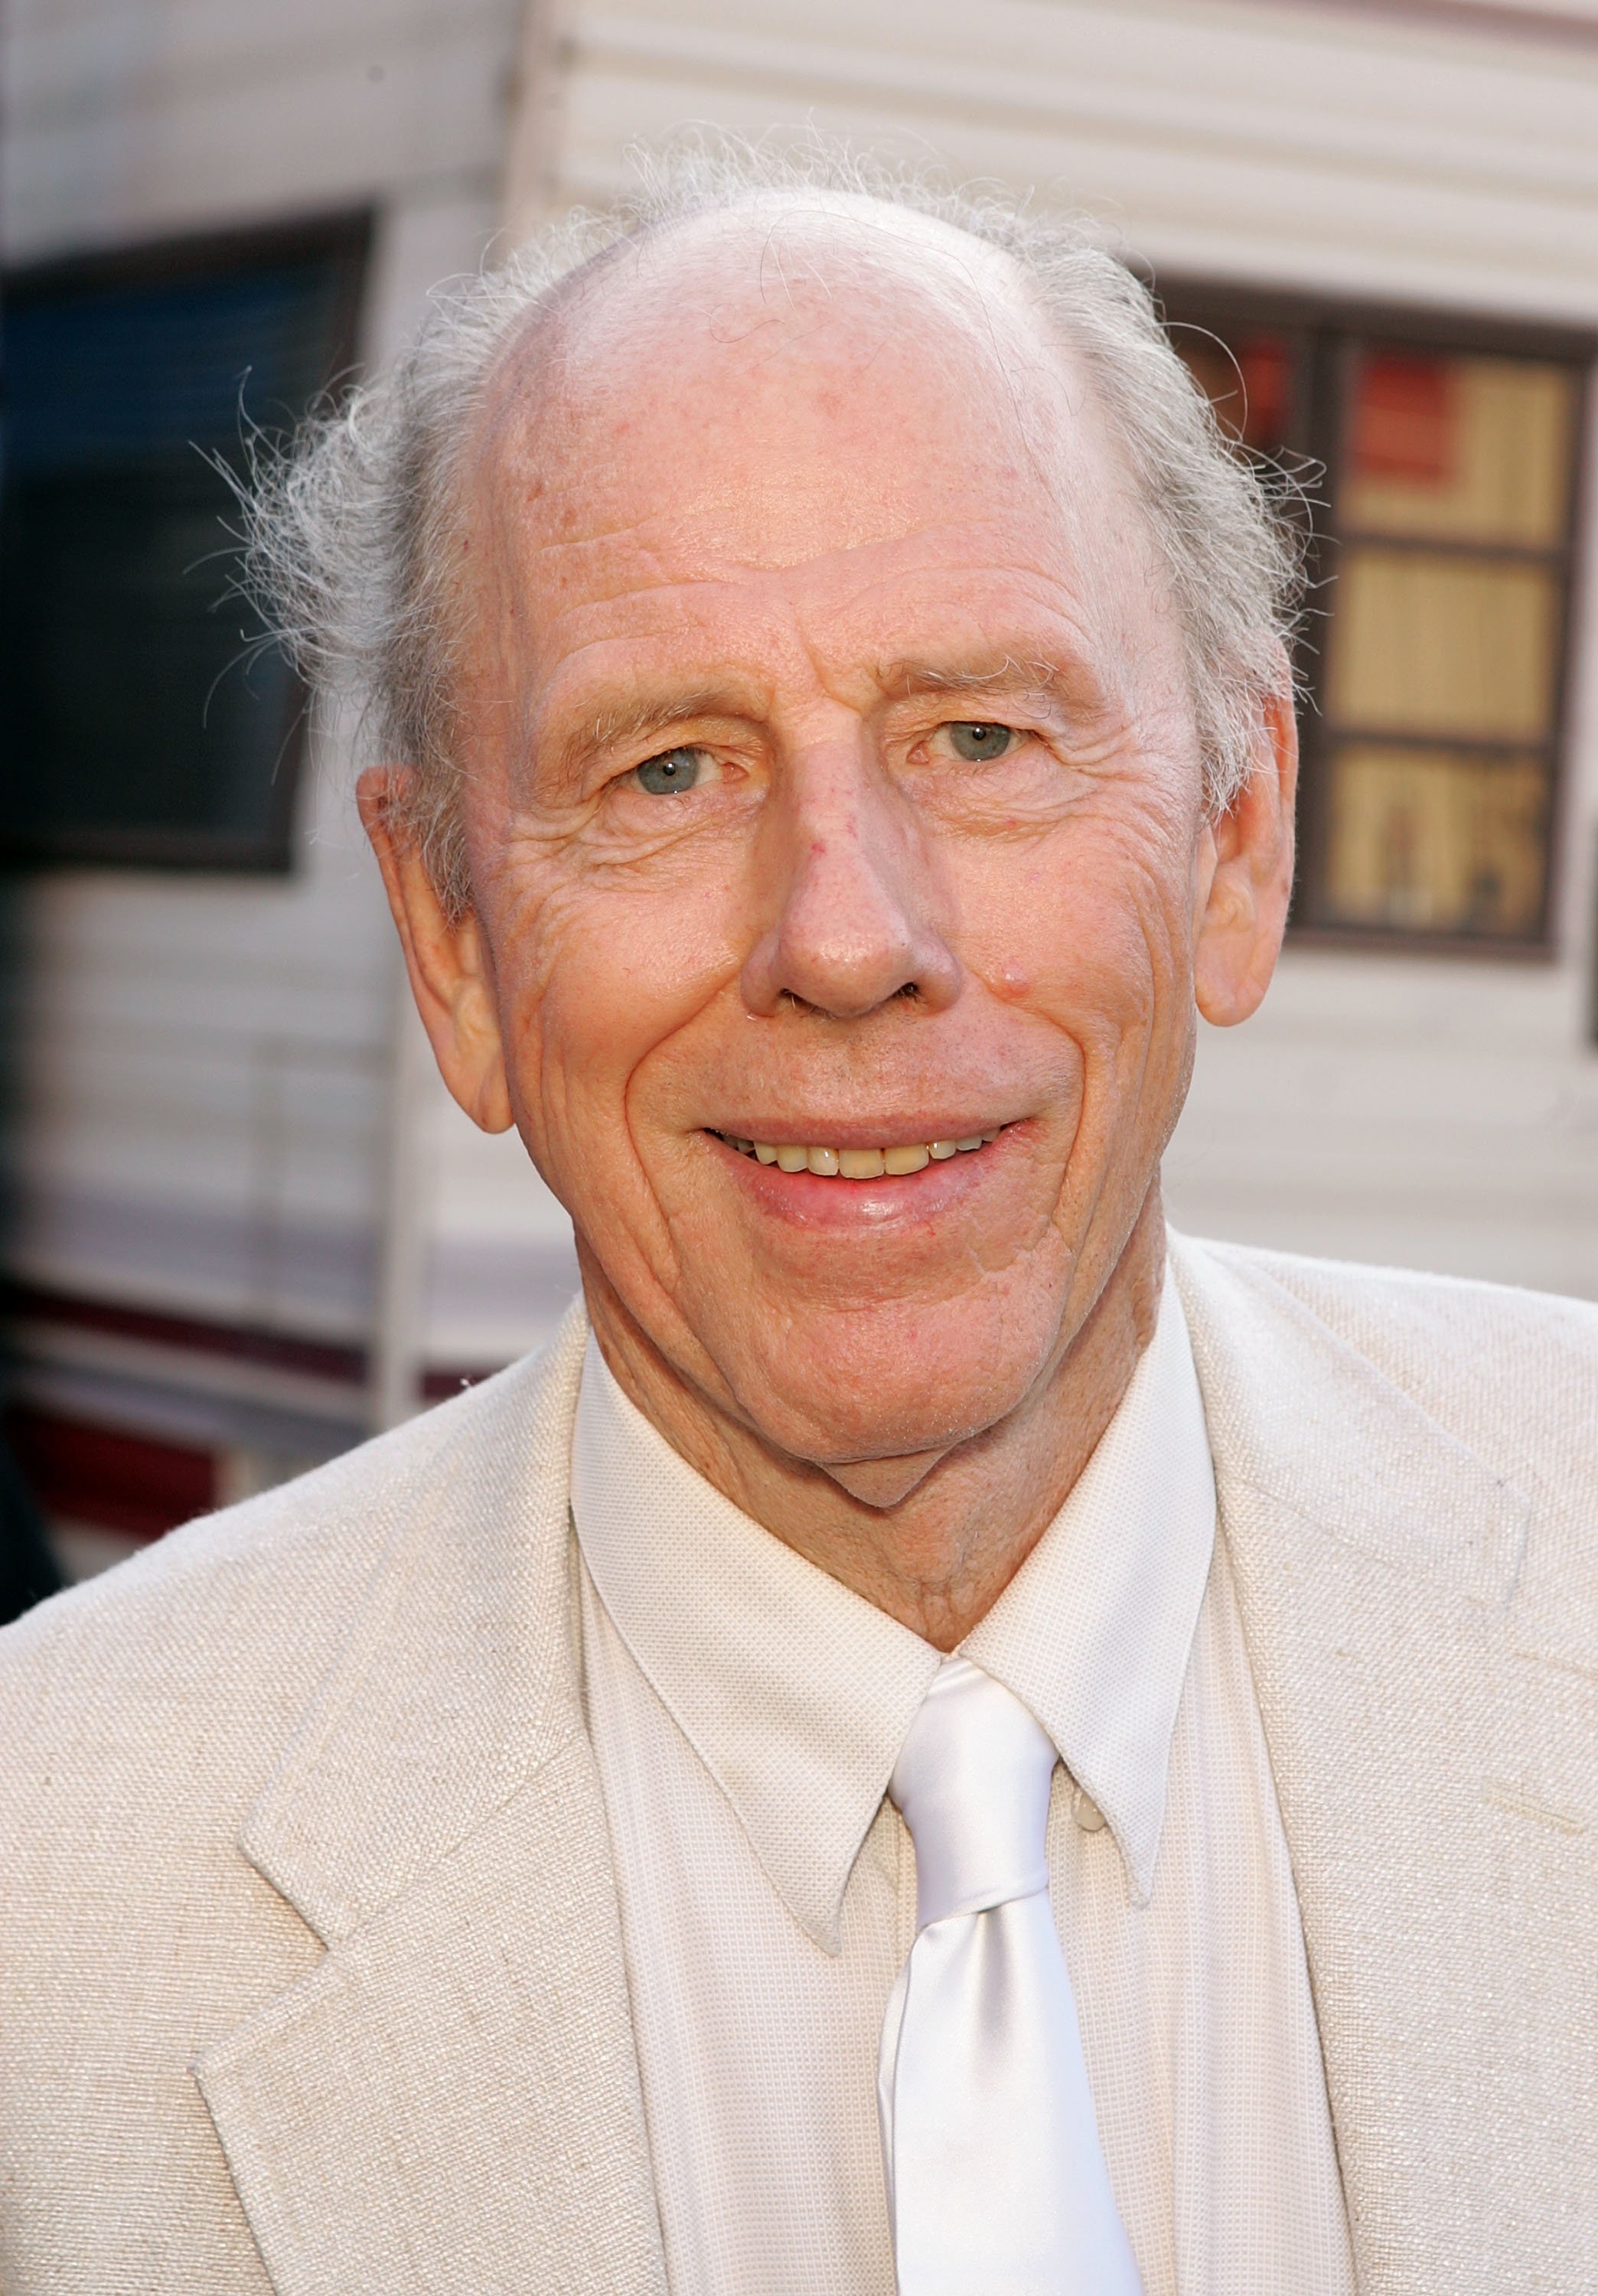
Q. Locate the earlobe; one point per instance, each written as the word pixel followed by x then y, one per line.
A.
pixel 1245 903
pixel 445 957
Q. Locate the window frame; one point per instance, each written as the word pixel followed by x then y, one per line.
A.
pixel 1325 334
pixel 345 236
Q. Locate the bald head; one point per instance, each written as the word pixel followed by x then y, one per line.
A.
pixel 776 258
pixel 796 311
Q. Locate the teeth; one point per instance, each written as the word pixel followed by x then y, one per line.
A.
pixel 860 1163
pixel 857 1163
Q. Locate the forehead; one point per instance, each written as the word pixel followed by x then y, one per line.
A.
pixel 821 397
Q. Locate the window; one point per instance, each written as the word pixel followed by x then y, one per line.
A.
pixel 1436 658
pixel 140 725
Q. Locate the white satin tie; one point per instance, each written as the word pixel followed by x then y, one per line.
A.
pixel 996 2182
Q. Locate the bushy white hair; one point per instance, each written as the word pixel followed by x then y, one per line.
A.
pixel 347 529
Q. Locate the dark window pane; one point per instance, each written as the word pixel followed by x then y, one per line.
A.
pixel 143 723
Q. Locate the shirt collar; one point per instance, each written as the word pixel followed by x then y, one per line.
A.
pixel 1094 1632
pixel 796 1693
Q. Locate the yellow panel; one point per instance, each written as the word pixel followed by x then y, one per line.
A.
pixel 1466 449
pixel 1423 643
pixel 1440 842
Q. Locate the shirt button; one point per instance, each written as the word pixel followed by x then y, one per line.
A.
pixel 1087 1813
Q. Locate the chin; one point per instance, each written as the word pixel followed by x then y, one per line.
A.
pixel 845 1389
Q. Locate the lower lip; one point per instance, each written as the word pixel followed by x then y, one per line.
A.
pixel 811 1200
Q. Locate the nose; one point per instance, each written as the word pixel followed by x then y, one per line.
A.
pixel 856 900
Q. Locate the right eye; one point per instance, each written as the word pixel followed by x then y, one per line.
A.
pixel 978 743
pixel 673 773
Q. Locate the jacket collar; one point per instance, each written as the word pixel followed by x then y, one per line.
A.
pixel 457 1680
pixel 450 2100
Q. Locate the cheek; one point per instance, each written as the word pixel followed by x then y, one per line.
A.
pixel 595 976
pixel 1089 929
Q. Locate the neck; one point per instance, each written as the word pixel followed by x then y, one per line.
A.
pixel 934 1541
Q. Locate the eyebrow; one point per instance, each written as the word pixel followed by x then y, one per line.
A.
pixel 982 673
pixel 627 724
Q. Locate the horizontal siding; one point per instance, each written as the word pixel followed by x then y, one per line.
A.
pixel 199 1070
pixel 1304 146
pixel 1418 1114
pixel 127 118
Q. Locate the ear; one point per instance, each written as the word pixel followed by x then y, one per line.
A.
pixel 445 956
pixel 1245 876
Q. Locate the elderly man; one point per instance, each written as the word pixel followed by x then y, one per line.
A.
pixel 939 1738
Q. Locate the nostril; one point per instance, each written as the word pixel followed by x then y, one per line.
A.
pixel 790 1001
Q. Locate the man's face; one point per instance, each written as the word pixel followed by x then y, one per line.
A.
pixel 832 785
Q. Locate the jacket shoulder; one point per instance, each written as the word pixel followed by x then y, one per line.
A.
pixel 224 1628
pixel 142 1715
pixel 1510 1372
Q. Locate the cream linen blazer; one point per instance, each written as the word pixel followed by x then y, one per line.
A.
pixel 310 1970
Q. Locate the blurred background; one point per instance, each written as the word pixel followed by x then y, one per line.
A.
pixel 241 1225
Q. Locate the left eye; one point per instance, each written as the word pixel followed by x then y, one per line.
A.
pixel 977 741
pixel 672 773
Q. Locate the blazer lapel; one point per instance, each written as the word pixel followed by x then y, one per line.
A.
pixel 450 2100
pixel 1435 1782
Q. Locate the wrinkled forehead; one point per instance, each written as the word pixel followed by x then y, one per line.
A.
pixel 791 303
pixel 832 394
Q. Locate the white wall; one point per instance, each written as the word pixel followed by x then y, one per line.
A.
pixel 129 119
pixel 1349 148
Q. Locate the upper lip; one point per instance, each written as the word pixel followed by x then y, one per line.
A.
pixel 885 1132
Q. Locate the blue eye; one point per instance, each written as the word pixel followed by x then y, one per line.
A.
pixel 670 773
pixel 976 743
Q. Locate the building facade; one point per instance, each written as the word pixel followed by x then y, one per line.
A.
pixel 245 1225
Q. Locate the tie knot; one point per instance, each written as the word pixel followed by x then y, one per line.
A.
pixel 972 1782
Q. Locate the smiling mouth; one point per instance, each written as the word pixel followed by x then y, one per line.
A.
pixel 857 1163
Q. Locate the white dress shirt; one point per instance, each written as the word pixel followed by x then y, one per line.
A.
pixel 746 1711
